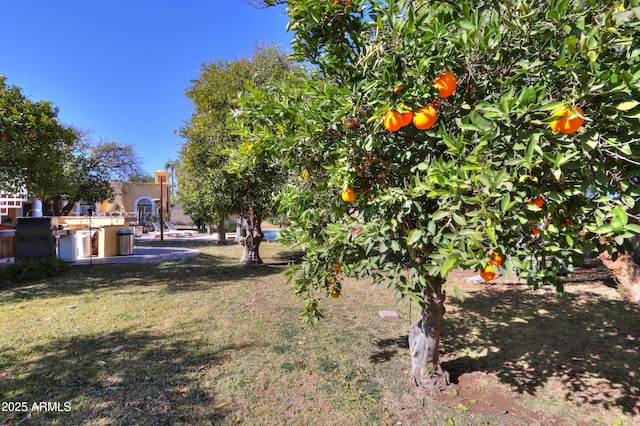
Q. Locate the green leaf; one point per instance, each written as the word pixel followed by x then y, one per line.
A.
pixel 423 166
pixel 414 236
pixel 569 239
pixel 632 227
pixel 506 99
pixel 448 265
pixel 437 193
pixel 482 123
pixel 439 215
pixel 528 96
pixel 458 292
pixel 621 213
pixel 604 229
pixel 551 106
pixel 460 220
pixel 531 146
pixel 627 105
pixel 491 232
pixel 463 407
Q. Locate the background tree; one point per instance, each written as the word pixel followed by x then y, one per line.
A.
pixel 34 145
pixel 89 170
pixel 521 160
pixel 53 161
pixel 142 179
pixel 268 3
pixel 172 165
pixel 87 180
pixel 121 160
pixel 206 191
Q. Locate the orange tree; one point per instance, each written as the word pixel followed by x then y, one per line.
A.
pixel 205 190
pixel 494 183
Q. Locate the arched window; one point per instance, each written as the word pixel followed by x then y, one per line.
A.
pixel 144 207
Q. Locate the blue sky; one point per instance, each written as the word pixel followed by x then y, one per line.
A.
pixel 119 68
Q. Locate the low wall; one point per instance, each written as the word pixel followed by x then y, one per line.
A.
pixel 78 222
pixel 106 227
pixel 108 240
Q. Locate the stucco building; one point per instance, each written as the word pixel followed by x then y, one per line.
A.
pixel 138 202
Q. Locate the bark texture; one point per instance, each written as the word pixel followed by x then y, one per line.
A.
pixel 222 232
pixel 424 340
pixel 626 272
pixel 251 243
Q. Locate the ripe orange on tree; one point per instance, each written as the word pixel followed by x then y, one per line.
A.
pixel 567 120
pixel 497 259
pixel 348 195
pixel 393 120
pixel 346 2
pixel 425 118
pixel 539 201
pixel 446 84
pixel 488 274
pixel 407 118
pixel 305 174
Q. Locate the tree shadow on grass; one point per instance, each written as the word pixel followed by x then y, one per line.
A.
pixel 588 344
pixel 583 341
pixel 120 378
pixel 286 257
pixel 390 348
pixel 190 274
pixel 591 272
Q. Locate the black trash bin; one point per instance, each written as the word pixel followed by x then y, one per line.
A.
pixel 125 242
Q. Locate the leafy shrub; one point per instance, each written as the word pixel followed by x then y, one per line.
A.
pixel 31 269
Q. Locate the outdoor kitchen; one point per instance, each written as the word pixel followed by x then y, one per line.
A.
pixel 67 237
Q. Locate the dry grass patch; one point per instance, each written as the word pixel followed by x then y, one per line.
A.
pixel 207 341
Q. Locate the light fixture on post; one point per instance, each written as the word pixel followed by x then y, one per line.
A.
pixel 161 178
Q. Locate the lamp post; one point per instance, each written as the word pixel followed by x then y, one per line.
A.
pixel 161 176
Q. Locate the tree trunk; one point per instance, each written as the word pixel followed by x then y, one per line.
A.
pixel 626 272
pixel 251 243
pixel 424 340
pixel 222 232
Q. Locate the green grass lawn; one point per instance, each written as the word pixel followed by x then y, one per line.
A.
pixel 205 341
